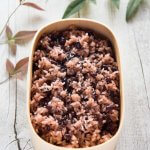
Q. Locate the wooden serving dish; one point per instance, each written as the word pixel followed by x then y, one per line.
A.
pixel 38 142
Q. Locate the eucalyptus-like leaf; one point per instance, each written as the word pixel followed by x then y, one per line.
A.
pixel 9 67
pixel 132 8
pixel 21 65
pixel 13 46
pixel 93 1
pixel 19 76
pixel 73 8
pixel 33 5
pixel 116 3
pixel 8 32
pixel 23 36
pixel 19 70
pixel 11 40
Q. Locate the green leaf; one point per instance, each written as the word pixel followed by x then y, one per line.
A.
pixel 116 3
pixel 132 8
pixel 93 1
pixel 73 8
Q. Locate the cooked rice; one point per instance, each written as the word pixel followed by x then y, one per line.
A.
pixel 75 95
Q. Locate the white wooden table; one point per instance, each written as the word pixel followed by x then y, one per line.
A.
pixel 134 41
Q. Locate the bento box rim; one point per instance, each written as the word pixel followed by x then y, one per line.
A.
pixel 29 77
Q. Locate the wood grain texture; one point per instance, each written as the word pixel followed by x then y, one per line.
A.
pixel 134 41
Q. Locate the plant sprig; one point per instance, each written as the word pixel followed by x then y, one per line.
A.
pixel 116 3
pixel 12 40
pixel 132 8
pixel 18 38
pixel 21 3
pixel 19 69
pixel 23 36
pixel 75 6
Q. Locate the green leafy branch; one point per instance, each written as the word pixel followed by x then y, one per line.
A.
pixel 116 3
pixel 132 8
pixel 76 5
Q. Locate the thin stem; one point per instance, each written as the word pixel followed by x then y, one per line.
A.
pixel 4 80
pixel 3 42
pixel 9 19
pixel 78 14
pixel 26 144
pixel 30 148
pixel 9 144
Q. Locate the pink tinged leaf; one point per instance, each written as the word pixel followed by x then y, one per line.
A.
pixel 8 32
pixel 19 76
pixel 10 67
pixel 23 36
pixel 22 65
pixel 13 47
pixel 33 5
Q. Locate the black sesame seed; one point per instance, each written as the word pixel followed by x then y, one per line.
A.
pixel 44 102
pixel 78 45
pixel 73 114
pixel 35 66
pixel 70 56
pixel 70 109
pixel 51 44
pixel 105 67
pixel 112 94
pixel 64 80
pixel 108 80
pixel 40 132
pixel 49 82
pixel 48 128
pixel 114 68
pixel 67 137
pixel 54 37
pixel 62 40
pixel 90 33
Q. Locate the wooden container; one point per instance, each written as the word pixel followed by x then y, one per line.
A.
pixel 39 143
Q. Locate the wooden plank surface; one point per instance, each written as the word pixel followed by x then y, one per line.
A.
pixel 134 42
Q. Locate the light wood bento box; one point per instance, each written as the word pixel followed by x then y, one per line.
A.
pixel 39 143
